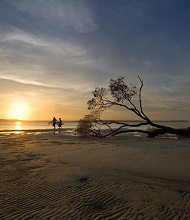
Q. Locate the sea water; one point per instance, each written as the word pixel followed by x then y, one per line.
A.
pixel 31 125
pixel 70 126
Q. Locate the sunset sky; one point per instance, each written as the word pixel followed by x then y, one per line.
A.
pixel 53 53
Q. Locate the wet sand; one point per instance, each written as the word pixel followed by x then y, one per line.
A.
pixel 56 176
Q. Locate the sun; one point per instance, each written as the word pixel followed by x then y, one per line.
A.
pixel 19 111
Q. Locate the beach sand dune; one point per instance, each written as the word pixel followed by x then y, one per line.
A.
pixel 54 176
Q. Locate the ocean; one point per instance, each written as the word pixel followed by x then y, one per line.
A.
pixel 17 127
pixel 9 126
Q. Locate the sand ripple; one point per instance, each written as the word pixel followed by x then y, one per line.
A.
pixel 30 197
pixel 30 190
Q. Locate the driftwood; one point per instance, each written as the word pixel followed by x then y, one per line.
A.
pixel 179 132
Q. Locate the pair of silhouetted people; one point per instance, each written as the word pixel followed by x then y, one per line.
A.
pixel 55 121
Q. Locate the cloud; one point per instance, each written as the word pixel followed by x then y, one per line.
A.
pixel 25 54
pixel 72 15
pixel 28 42
pixel 18 35
pixel 51 61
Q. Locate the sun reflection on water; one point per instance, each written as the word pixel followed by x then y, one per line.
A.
pixel 18 127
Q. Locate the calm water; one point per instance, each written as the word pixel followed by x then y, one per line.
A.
pixel 33 125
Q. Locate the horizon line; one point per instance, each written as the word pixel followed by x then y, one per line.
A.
pixel 35 120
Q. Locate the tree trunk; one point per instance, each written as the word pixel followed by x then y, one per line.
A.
pixel 183 132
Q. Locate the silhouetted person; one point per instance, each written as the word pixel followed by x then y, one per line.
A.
pixel 54 121
pixel 60 123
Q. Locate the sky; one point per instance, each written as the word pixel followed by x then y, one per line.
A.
pixel 54 53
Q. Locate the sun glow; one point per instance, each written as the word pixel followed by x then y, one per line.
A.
pixel 19 111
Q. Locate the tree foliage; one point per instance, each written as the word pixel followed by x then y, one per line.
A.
pixel 121 91
pixel 122 94
pixel 88 126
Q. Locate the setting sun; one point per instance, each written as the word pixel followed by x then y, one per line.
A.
pixel 19 111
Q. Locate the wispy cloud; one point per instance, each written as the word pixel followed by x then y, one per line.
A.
pixel 32 56
pixel 18 35
pixel 72 15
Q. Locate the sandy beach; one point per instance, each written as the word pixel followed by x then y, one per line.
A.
pixel 57 176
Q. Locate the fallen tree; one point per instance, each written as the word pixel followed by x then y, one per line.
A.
pixel 121 94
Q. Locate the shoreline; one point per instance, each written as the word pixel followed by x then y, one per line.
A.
pixel 33 131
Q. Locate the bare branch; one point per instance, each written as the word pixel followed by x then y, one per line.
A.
pixel 140 99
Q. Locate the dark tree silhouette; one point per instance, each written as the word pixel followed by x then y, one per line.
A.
pixel 120 93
